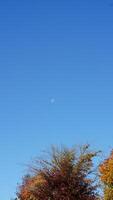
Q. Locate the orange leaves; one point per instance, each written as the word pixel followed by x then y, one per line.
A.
pixel 106 170
pixel 106 176
pixel 26 190
pixel 64 177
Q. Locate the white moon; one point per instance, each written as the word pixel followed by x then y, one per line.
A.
pixel 52 100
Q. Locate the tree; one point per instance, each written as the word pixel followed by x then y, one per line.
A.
pixel 67 175
pixel 106 176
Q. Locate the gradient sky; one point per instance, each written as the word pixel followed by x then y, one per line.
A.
pixel 56 80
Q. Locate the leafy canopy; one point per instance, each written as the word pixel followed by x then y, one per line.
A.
pixel 66 175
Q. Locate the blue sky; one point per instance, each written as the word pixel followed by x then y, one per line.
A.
pixel 56 80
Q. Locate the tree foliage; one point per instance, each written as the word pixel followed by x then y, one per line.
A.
pixel 66 175
pixel 106 176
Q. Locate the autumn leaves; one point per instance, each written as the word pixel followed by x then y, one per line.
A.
pixel 106 176
pixel 68 174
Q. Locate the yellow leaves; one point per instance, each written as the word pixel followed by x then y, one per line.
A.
pixel 106 170
pixel 108 194
pixel 106 176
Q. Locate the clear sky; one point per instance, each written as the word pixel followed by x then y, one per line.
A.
pixel 56 80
